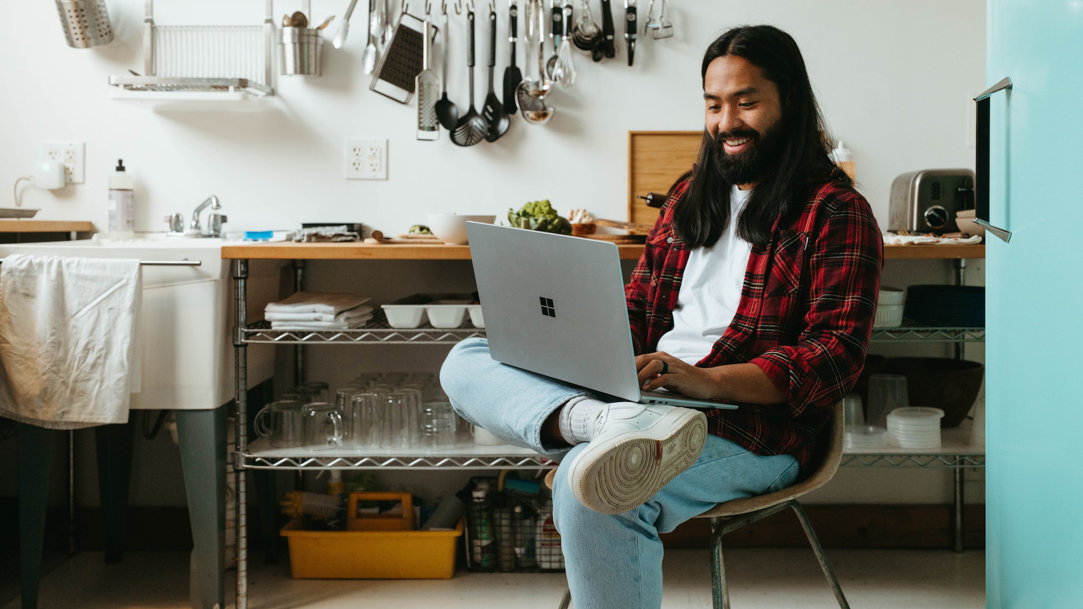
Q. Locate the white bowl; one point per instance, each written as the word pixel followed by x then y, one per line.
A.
pixel 446 314
pixel 888 316
pixel 451 228
pixel 964 219
pixel 891 296
pixel 475 315
pixel 404 315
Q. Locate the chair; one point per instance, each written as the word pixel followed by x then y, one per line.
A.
pixel 734 514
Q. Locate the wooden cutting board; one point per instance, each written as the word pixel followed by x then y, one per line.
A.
pixel 655 160
pixel 619 239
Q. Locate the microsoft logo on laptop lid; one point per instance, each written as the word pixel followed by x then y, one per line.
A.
pixel 547 307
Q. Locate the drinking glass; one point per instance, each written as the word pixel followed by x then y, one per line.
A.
pixel 854 410
pixel 886 393
pixel 366 419
pixel 389 411
pixel 317 391
pixel 439 425
pixel 410 431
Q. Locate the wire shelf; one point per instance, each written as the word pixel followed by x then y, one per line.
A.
pixel 376 331
pixel 178 84
pixel 913 334
pixel 473 462
pixel 953 461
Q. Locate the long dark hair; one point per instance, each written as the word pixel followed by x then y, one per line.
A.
pixel 803 154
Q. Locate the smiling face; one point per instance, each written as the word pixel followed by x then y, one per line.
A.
pixel 743 113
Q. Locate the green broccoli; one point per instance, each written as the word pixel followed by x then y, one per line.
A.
pixel 539 215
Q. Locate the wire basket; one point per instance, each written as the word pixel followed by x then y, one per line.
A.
pixel 86 22
pixel 512 532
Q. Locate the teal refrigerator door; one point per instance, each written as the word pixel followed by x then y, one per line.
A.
pixel 1034 380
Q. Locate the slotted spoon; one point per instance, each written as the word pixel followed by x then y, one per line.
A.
pixel 471 127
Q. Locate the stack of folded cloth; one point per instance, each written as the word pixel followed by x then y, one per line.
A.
pixel 319 311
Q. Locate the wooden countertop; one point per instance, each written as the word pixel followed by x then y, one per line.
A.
pixel 13 225
pixel 410 251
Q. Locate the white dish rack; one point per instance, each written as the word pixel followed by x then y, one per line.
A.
pixel 195 63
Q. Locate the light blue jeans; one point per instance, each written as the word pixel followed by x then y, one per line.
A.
pixel 612 561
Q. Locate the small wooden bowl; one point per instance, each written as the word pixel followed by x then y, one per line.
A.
pixel 584 228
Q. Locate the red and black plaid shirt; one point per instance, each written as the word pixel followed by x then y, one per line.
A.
pixel 805 314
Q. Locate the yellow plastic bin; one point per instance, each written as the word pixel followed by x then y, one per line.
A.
pixel 371 554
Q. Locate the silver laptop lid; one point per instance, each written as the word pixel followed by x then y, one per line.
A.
pixel 543 317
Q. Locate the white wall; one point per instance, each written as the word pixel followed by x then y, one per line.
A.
pixel 894 80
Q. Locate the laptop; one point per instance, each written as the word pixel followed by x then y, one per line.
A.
pixel 554 305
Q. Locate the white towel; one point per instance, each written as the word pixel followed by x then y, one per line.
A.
pixel 893 239
pixel 316 302
pixel 340 323
pixel 66 339
pixel 309 316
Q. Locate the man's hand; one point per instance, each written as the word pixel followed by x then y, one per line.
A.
pixel 660 369
pixel 734 382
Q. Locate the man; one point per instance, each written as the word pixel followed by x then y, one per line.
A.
pixel 757 286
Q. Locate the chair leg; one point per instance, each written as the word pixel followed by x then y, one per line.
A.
pixel 819 551
pixel 566 601
pixel 720 594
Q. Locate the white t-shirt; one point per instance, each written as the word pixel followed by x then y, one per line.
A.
pixel 710 291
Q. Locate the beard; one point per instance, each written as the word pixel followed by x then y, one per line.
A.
pixel 751 165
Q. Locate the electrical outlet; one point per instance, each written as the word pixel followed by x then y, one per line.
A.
pixel 366 158
pixel 71 154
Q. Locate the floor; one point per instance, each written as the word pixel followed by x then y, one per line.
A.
pixel 760 578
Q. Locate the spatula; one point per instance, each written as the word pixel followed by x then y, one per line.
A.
pixel 512 75
pixel 493 111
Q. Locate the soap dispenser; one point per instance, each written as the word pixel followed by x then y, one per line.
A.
pixel 121 203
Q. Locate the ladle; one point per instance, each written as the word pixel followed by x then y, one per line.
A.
pixel 446 112
pixel 471 127
pixel 531 91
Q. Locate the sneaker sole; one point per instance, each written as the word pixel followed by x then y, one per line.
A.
pixel 619 474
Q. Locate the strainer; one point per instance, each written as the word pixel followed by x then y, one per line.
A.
pixel 86 22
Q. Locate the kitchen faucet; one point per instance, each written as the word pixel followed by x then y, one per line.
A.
pixel 214 221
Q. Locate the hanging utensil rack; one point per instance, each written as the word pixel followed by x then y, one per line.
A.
pixel 202 62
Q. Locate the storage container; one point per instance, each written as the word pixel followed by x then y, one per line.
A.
pixel 946 305
pixel 358 518
pixel 371 554
pixel 299 51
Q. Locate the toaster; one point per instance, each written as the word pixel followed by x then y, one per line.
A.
pixel 927 200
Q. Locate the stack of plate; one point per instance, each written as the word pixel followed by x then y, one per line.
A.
pixel 914 427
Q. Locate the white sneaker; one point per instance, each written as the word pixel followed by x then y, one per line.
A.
pixel 636 450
